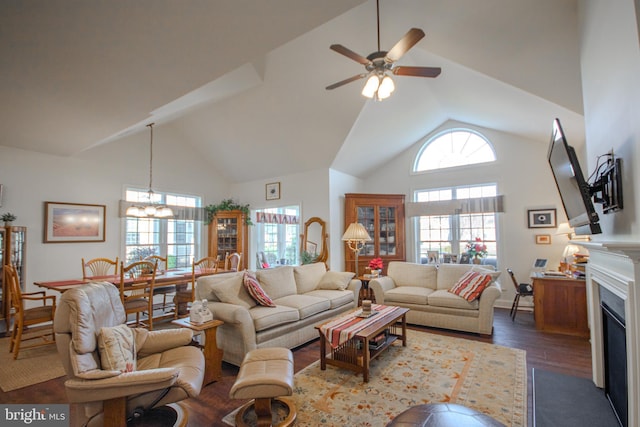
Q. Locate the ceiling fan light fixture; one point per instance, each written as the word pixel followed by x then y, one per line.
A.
pixel 371 87
pixel 385 89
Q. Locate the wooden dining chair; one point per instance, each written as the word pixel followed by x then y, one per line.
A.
pixel 165 291
pixel 522 290
pixel 203 267
pixel 24 318
pixel 137 281
pixel 99 267
pixel 233 262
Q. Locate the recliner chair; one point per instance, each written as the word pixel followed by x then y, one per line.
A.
pixel 168 368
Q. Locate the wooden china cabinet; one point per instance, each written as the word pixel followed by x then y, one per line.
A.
pixel 13 251
pixel 228 233
pixel 383 217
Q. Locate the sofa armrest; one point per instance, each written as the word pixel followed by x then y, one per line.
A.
pixel 379 286
pixel 354 286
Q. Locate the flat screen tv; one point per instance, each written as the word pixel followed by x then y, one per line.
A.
pixel 574 190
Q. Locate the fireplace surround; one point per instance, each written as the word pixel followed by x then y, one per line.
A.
pixel 615 268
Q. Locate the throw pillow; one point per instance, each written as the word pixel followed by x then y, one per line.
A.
pixel 116 346
pixel 471 285
pixel 255 290
pixel 232 291
pixel 308 276
pixel 335 280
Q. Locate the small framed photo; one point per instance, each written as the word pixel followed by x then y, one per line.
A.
pixel 74 223
pixel 465 258
pixel 543 239
pixel 433 257
pixel 542 218
pixel 273 191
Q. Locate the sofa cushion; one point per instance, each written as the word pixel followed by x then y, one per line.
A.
pixel 268 317
pixel 336 298
pixel 232 291
pixel 205 285
pixel 335 280
pixel 407 295
pixel 411 274
pixel 256 292
pixel 116 346
pixel 307 305
pixel 487 269
pixel 449 274
pixel 471 285
pixel 277 282
pixel 307 276
pixel 444 298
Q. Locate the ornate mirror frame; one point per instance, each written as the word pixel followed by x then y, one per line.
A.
pixel 315 241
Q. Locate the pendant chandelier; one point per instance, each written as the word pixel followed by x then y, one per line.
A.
pixel 150 209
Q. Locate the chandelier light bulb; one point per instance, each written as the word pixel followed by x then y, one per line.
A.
pixel 386 88
pixel 370 88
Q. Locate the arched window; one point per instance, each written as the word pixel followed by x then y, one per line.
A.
pixel 457 147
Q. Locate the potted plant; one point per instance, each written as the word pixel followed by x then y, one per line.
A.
pixel 228 205
pixel 8 218
pixel 476 250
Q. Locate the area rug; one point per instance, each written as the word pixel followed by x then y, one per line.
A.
pixel 432 368
pixel 33 366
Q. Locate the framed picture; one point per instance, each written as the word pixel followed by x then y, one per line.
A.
pixel 433 257
pixel 273 191
pixel 542 218
pixel 73 222
pixel 465 258
pixel 312 247
pixel 543 239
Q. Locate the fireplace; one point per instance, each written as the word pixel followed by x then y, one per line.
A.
pixel 613 299
pixel 615 353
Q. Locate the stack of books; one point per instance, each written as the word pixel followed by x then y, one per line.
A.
pixel 579 264
pixel 379 340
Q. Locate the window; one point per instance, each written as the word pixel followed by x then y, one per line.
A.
pixel 449 233
pixel 454 148
pixel 177 238
pixel 277 234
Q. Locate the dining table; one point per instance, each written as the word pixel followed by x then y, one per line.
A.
pixel 178 278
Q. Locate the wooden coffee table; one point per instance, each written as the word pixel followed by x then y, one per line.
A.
pixel 355 354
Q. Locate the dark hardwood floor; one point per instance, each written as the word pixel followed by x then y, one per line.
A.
pixel 551 352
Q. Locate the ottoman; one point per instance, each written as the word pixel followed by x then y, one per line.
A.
pixel 443 415
pixel 266 374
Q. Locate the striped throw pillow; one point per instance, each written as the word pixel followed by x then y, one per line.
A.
pixel 255 290
pixel 471 285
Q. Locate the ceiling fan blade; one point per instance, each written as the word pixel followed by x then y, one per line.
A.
pixel 417 71
pixel 412 37
pixel 349 54
pixel 345 81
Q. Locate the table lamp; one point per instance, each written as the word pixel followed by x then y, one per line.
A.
pixel 356 236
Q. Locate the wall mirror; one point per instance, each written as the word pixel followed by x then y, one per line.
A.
pixel 313 240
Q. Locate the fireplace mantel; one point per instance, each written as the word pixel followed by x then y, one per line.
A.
pixel 616 267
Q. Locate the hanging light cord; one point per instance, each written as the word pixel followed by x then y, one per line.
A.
pixel 150 126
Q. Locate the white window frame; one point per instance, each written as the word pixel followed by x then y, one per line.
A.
pixel 287 237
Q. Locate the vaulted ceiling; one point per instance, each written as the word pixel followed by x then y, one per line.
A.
pixel 246 79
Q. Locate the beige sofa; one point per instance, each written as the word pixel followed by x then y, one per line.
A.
pixel 423 288
pixel 303 296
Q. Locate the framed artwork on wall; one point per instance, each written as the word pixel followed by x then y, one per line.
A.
pixel 74 222
pixel 273 191
pixel 543 239
pixel 542 218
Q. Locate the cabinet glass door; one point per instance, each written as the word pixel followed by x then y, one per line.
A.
pixel 387 233
pixel 366 217
pixel 227 236
pixel 17 252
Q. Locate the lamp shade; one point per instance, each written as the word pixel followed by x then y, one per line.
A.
pixel 564 228
pixel 356 232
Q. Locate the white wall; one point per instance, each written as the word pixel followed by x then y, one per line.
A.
pixel 524 178
pixel 96 176
pixel 610 63
pixel 340 184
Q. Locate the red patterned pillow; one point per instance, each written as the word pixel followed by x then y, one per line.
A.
pixel 471 285
pixel 255 290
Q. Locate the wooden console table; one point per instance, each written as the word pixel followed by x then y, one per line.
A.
pixel 560 305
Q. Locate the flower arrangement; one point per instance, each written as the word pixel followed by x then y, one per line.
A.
pixel 376 264
pixel 476 248
pixel 8 217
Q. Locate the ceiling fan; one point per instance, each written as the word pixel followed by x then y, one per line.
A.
pixel 379 64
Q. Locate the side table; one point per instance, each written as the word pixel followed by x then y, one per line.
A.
pixel 212 354
pixel 365 292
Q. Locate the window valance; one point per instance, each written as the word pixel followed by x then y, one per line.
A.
pixel 275 218
pixel 458 206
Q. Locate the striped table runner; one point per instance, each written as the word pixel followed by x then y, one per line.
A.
pixel 342 329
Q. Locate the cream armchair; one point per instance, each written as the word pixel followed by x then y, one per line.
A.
pixel 165 369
